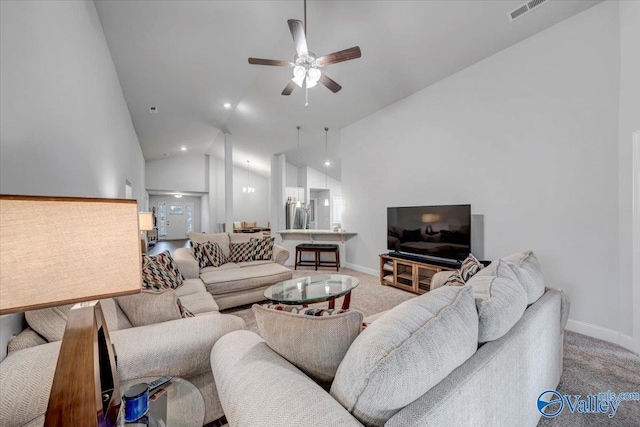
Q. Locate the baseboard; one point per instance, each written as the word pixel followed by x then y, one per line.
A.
pixel 365 270
pixel 601 333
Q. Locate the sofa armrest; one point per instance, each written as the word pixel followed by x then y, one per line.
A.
pixel 187 264
pixel 280 254
pixel 180 348
pixel 258 387
pixel 439 278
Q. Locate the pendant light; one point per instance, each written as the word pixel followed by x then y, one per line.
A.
pixel 326 165
pixel 248 189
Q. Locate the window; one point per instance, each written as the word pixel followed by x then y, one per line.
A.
pixel 189 219
pixel 176 210
pixel 162 220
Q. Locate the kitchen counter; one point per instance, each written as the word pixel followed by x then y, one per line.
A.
pixel 292 238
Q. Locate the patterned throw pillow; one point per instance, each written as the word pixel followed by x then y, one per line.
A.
pixel 160 272
pixel 184 312
pixel 263 248
pixel 241 252
pixel 214 254
pixel 200 254
pixel 306 311
pixel 469 267
pixel 454 280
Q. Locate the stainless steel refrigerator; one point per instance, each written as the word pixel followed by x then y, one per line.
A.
pixel 297 215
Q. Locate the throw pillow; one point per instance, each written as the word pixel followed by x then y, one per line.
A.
pixel 454 279
pixel 150 307
pixel 200 254
pixel 263 249
pixel 469 267
pixel 500 301
pixel 241 252
pixel 406 352
pixel 184 311
pixel 314 340
pixel 527 269
pixel 160 272
pixel 214 254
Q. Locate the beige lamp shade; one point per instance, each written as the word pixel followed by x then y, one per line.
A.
pixel 430 218
pixel 62 250
pixel 146 221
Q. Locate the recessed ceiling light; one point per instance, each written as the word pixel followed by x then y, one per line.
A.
pixel 327 163
pixel 183 148
pixel 227 105
pixel 177 196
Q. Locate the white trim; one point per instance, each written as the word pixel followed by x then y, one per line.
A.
pixel 600 333
pixel 635 225
pixel 365 270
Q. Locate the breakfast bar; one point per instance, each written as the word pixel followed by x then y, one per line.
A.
pixel 292 238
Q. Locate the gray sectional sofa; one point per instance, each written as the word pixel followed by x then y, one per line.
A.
pixel 233 284
pixel 179 348
pixel 419 364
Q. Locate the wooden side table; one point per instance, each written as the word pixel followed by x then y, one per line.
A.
pixel 184 405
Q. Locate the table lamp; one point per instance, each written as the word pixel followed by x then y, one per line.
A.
pixel 146 224
pixel 62 250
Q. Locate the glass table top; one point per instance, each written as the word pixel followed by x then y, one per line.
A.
pixel 310 289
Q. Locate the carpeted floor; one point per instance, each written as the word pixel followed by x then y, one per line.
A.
pixel 591 366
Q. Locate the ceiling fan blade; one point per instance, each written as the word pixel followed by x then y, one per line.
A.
pixel 299 38
pixel 329 83
pixel 289 88
pixel 258 61
pixel 343 55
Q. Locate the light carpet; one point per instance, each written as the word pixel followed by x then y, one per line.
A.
pixel 591 366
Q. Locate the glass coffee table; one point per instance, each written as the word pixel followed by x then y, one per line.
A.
pixel 310 289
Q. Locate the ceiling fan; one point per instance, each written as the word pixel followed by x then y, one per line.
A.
pixel 306 64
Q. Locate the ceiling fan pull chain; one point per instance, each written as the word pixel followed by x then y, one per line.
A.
pixel 306 95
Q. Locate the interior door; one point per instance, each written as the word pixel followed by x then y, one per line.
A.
pixel 176 220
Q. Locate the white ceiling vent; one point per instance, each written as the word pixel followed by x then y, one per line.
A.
pixel 524 9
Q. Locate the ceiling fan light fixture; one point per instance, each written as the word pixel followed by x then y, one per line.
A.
pixel 314 74
pixel 311 83
pixel 299 74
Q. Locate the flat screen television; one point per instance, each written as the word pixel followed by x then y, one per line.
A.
pixel 430 232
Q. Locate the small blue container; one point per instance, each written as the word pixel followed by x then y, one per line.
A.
pixel 136 402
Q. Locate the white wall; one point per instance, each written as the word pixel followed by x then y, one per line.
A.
pixel 182 173
pixel 246 207
pixel 65 127
pixel 291 175
pixel 629 122
pixel 529 138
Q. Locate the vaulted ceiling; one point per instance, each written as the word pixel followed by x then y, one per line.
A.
pixel 189 58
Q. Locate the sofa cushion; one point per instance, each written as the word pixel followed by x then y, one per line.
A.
pixel 190 286
pixel 160 272
pixel 150 307
pixel 202 302
pixel 469 267
pixel 51 322
pixel 314 340
pixel 253 263
pixel 227 266
pixel 527 269
pixel 500 300
pixel 241 279
pixel 222 239
pixel 240 252
pixel 263 248
pixel 405 352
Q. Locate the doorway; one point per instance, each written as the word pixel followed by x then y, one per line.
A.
pixel 175 220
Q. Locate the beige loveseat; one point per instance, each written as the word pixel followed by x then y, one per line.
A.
pixel 179 348
pixel 233 284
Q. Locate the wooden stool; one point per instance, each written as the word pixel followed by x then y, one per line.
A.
pixel 317 249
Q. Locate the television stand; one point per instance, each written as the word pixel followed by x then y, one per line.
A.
pixel 409 274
